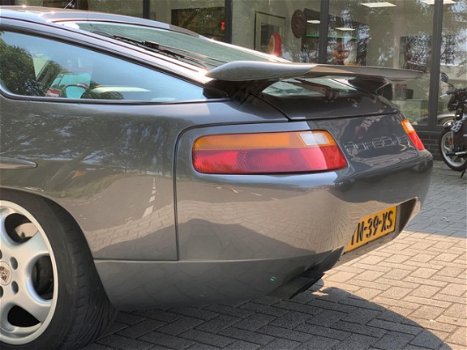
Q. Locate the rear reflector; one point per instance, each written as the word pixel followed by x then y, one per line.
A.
pixel 410 131
pixel 267 153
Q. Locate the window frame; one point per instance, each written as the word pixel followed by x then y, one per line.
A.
pixel 100 46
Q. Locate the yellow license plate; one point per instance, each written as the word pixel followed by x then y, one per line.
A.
pixel 372 227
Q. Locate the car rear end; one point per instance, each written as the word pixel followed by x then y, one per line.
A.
pixel 273 205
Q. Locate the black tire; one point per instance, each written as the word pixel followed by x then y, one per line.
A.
pixel 455 163
pixel 82 310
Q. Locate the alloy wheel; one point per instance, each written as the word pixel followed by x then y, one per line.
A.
pixel 447 146
pixel 28 276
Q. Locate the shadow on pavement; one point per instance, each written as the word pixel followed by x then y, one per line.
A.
pixel 320 318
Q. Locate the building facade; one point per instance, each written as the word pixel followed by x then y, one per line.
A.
pixel 427 35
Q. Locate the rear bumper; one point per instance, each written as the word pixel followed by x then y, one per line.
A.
pixel 140 284
pixel 241 236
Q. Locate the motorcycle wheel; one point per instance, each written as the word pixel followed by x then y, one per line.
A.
pixel 446 146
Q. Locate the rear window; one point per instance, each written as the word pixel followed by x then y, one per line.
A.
pixel 213 53
pixel 311 87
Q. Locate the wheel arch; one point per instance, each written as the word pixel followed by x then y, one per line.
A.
pixel 59 209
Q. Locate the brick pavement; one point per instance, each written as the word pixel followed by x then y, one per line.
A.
pixel 409 294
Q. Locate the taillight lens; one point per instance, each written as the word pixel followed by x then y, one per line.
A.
pixel 267 153
pixel 410 131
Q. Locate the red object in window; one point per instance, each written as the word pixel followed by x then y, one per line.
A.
pixel 222 26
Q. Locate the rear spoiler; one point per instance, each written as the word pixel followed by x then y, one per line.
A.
pixel 245 73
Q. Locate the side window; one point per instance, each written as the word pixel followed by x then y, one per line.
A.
pixel 34 66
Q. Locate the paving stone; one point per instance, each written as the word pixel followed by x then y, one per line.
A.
pixel 129 318
pixel 285 333
pixel 195 312
pixel 323 331
pixel 290 320
pixel 423 272
pixel 119 342
pixel 456 310
pixel 425 291
pixel 181 325
pixel 459 336
pixel 356 342
pixel 397 317
pixel 358 329
pixel 201 346
pixel 454 289
pixel 207 338
pixel 292 306
pixel 395 293
pixel 428 312
pixel 217 324
pixel 341 276
pixel 229 310
pixel 362 316
pixel 254 322
pixel 327 318
pixel 278 344
pixel 397 274
pixel 247 336
pixel 318 343
pixel 330 305
pixel 158 315
pixel 360 303
pixel 242 345
pixel 392 326
pixel 141 328
pixel 264 309
pixel 427 339
pixel 393 340
pixel 167 340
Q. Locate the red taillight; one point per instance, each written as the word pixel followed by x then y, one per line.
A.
pixel 410 131
pixel 267 153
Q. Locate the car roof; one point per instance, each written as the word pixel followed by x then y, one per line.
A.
pixel 52 15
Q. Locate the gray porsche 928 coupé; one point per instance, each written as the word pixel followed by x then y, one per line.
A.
pixel 142 164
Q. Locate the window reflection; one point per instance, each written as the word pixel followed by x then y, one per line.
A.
pixel 453 54
pixel 396 34
pixel 34 66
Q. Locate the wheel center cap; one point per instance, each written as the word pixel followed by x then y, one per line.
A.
pixel 5 273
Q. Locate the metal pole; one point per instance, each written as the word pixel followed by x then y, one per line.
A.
pixel 323 31
pixel 228 12
pixel 435 63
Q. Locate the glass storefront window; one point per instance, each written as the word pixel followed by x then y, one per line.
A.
pixel 393 34
pixel 453 54
pixel 287 29
pixel 206 17
pixel 122 7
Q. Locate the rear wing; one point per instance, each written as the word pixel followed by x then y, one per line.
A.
pixel 258 75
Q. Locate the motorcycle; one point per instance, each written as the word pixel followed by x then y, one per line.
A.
pixel 453 139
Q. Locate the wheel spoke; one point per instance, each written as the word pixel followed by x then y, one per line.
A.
pixel 27 299
pixel 28 252
pixel 5 307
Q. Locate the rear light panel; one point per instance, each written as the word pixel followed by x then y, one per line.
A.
pixel 267 153
pixel 410 131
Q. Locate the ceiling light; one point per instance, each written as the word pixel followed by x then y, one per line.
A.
pixel 314 21
pixel 432 2
pixel 377 4
pixel 345 29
